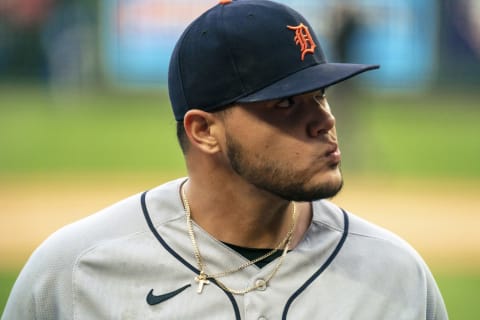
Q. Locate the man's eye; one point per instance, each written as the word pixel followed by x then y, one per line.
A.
pixel 319 96
pixel 285 103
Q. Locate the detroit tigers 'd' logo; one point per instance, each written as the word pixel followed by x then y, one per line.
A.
pixel 304 39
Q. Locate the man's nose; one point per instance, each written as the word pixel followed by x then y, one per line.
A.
pixel 322 120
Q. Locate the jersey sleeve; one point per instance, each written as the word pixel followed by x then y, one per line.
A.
pixel 436 309
pixel 41 290
pixel 45 287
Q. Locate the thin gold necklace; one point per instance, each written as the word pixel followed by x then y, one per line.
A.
pixel 203 277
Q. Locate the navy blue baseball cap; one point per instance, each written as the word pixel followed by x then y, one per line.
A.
pixel 248 51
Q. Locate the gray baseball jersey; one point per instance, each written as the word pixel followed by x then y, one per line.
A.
pixel 134 260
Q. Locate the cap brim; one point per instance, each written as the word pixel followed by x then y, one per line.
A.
pixel 309 79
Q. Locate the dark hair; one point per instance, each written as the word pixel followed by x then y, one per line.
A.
pixel 182 137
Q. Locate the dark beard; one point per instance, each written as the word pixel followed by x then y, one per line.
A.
pixel 282 182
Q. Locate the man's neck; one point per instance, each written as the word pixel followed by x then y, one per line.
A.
pixel 244 216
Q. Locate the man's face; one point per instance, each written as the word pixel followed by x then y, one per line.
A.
pixel 287 147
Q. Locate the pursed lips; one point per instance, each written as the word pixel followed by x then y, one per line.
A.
pixel 333 153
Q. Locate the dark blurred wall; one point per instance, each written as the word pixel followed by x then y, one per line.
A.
pixel 21 49
pixel 48 40
pixel 459 45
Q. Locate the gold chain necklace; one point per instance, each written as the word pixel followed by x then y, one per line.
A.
pixel 203 277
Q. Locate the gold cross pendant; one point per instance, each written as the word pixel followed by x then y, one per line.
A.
pixel 202 280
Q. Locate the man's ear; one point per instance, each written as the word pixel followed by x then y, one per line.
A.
pixel 202 128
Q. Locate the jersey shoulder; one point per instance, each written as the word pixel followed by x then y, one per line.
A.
pixel 360 229
pixel 122 219
pixel 45 284
pixel 380 259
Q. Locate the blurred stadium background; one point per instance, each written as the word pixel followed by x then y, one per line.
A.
pixel 85 119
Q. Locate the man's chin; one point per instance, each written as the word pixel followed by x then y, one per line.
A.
pixel 325 190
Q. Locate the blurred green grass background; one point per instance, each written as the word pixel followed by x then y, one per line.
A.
pixel 428 135
pixel 422 135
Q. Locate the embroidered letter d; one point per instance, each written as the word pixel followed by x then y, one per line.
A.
pixel 304 39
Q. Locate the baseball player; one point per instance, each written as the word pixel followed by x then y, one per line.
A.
pixel 248 234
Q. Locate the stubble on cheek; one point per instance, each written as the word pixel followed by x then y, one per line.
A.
pixel 285 180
